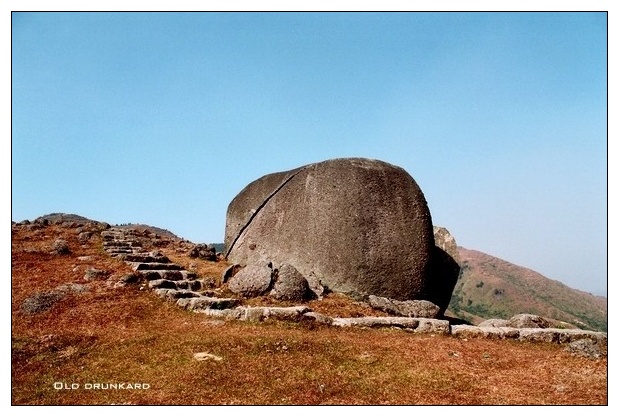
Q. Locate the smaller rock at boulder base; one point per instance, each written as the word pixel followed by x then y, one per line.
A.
pixel 230 272
pixel 289 284
pixel 251 281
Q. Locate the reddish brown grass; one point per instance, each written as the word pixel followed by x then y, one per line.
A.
pixel 126 335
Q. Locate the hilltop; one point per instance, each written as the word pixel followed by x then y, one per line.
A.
pixel 87 330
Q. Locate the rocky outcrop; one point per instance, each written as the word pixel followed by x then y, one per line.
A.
pixel 315 286
pixel 202 251
pixel 444 269
pixel 45 300
pixel 408 308
pixel 84 237
pixel 446 242
pixel 360 226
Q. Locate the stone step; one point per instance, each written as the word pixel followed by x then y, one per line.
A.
pixel 119 252
pixel 201 303
pixel 173 295
pixel 162 283
pixel 318 318
pixel 226 314
pixel 560 336
pixel 112 235
pixel 422 325
pixel 150 266
pixel 116 244
pixel 172 275
pixel 122 241
pixel 193 285
pixel 258 313
pixel 147 258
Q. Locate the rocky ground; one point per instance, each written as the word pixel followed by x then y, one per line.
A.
pixel 83 290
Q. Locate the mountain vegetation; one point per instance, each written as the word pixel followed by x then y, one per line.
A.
pixel 489 287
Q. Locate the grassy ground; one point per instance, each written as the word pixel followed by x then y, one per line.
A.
pixel 129 336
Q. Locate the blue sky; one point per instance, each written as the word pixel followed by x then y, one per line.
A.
pixel 162 118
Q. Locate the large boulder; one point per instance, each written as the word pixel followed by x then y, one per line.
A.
pixel 359 226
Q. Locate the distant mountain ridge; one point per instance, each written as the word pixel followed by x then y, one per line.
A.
pixel 489 287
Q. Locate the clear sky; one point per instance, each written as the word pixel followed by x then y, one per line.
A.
pixel 162 118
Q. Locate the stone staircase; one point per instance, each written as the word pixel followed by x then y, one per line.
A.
pixel 168 280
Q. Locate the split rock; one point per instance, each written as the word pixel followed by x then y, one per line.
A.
pixel 362 226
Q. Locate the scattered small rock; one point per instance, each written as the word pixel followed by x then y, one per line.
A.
pixel 204 356
pixel 41 302
pixel 95 274
pixel 84 237
pixel 528 321
pixel 586 348
pixel 45 300
pixel 72 287
pixel 60 247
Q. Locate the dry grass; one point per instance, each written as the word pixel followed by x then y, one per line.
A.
pixel 126 335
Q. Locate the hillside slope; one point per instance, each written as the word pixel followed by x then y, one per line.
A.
pixel 490 287
pixel 88 340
